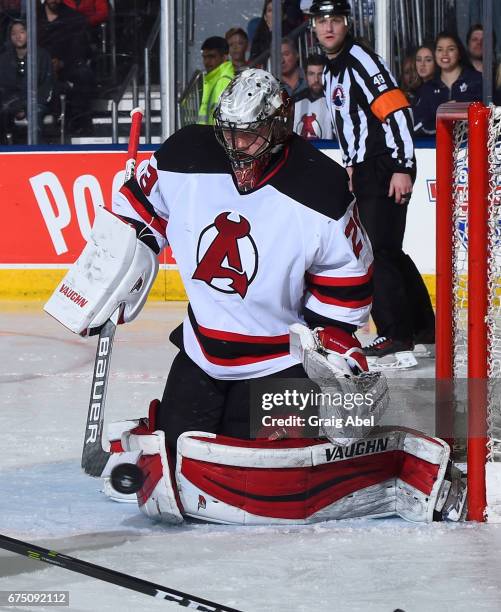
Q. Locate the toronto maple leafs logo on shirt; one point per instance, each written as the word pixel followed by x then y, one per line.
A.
pixel 227 255
pixel 338 97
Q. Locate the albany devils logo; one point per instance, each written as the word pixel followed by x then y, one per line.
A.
pixel 309 127
pixel 227 255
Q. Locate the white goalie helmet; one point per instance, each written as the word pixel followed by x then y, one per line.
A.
pixel 253 119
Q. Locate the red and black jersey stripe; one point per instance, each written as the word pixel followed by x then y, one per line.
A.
pixel 140 203
pixel 228 348
pixel 352 292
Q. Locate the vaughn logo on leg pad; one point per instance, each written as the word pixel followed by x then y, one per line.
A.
pixel 363 447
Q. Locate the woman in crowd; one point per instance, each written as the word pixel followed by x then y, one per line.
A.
pixel 425 62
pixel 456 80
pixel 409 80
pixel 238 42
pixel 292 16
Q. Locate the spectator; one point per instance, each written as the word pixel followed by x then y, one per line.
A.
pixel 95 11
pixel 425 68
pixel 409 79
pixel 292 16
pixel 311 115
pixel 13 79
pixel 425 63
pixel 63 32
pixel 456 80
pixel 238 43
pixel 219 72
pixel 473 13
pixel 292 75
pixel 474 44
pixel 10 10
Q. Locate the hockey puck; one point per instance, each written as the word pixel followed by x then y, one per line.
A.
pixel 126 478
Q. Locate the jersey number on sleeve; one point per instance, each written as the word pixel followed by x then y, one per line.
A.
pixel 352 229
pixel 148 179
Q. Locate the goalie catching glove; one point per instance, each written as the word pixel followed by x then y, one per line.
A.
pixel 353 400
pixel 327 351
pixel 115 270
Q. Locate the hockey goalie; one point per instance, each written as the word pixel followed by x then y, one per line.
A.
pixel 277 269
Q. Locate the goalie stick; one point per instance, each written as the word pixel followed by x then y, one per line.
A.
pixel 112 576
pixel 94 456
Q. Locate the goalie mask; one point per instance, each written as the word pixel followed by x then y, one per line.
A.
pixel 253 120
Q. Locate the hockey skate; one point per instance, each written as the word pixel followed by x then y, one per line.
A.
pixel 387 354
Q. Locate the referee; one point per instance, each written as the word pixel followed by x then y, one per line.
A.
pixel 373 123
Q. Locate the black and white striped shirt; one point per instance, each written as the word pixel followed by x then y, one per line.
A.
pixel 370 114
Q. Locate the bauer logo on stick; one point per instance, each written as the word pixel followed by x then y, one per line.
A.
pixel 98 389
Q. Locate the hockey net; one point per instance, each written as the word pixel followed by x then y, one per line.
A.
pixel 469 288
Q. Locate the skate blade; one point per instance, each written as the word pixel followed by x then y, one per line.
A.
pixel 424 351
pixel 402 360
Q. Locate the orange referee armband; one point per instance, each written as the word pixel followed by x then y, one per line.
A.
pixel 388 103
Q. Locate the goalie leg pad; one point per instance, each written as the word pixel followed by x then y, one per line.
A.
pixel 114 269
pixel 137 442
pixel 390 472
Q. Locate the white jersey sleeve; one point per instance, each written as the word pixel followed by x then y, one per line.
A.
pixel 339 282
pixel 142 201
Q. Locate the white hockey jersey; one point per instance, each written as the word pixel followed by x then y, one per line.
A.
pixel 292 250
pixel 312 118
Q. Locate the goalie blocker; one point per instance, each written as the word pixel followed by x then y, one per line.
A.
pixel 115 270
pixel 393 471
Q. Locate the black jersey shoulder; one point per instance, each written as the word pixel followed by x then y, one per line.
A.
pixel 313 179
pixel 193 149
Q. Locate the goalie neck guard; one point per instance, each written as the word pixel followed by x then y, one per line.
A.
pixel 253 120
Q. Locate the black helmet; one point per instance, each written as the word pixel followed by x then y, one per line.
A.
pixel 330 7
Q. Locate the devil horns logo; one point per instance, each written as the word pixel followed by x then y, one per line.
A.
pixel 227 255
pixel 308 127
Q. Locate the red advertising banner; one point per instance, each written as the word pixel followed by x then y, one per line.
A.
pixel 49 199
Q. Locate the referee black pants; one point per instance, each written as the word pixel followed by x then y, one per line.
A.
pixel 194 401
pixel 401 308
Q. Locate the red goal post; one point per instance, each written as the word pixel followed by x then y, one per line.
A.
pixel 468 338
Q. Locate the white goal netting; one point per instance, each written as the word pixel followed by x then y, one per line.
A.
pixel 460 270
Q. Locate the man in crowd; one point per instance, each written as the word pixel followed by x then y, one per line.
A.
pixel 474 44
pixel 374 127
pixel 292 75
pixel 218 74
pixel 312 118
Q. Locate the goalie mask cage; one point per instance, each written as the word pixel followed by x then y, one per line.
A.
pixel 468 340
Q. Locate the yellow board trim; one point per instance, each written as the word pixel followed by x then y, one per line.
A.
pixel 29 284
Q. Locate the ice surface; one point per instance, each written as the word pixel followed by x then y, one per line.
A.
pixel 378 565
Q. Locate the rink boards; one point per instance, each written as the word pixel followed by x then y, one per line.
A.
pixel 48 202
